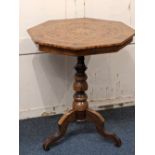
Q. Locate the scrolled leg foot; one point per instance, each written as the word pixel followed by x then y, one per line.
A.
pixel 46 148
pixel 62 128
pixel 53 138
pixel 111 136
pixel 98 120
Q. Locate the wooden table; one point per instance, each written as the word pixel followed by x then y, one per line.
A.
pixel 81 37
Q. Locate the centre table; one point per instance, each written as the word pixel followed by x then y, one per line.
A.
pixel 81 37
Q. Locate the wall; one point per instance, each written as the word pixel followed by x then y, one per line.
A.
pixel 46 80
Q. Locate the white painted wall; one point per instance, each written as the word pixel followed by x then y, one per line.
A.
pixel 46 80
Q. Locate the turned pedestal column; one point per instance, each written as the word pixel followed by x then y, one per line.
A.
pixel 80 110
pixel 80 104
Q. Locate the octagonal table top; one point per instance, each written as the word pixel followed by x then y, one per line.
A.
pixel 81 36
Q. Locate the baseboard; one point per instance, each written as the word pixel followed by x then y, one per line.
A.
pixel 95 104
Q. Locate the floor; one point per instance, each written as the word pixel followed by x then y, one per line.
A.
pixel 81 138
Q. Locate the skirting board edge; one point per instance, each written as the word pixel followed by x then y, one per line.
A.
pixel 102 104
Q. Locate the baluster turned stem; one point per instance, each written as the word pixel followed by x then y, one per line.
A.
pixel 80 85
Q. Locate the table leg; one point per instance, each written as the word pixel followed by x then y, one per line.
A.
pixel 62 128
pixel 98 120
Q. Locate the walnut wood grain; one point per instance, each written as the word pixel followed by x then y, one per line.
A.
pixel 80 37
pixel 80 110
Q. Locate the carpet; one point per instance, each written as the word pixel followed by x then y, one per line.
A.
pixel 81 138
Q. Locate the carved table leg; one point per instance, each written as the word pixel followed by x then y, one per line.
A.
pixel 97 118
pixel 62 127
pixel 80 111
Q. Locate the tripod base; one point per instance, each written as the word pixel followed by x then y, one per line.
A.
pixel 80 110
pixel 71 116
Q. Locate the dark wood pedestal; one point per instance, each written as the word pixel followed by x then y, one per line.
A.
pixel 80 110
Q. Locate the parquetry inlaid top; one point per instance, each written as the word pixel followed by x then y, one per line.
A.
pixel 81 36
